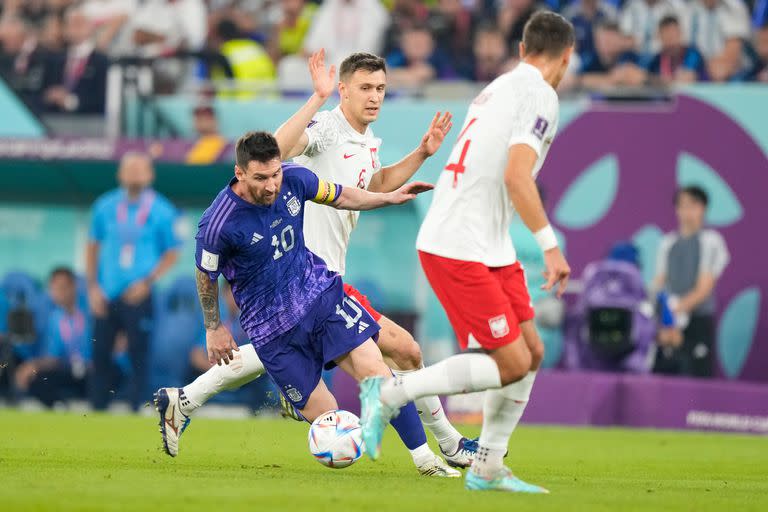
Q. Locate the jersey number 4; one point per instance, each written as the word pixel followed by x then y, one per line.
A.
pixel 458 167
pixel 287 241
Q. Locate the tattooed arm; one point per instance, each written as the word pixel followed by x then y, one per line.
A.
pixel 218 339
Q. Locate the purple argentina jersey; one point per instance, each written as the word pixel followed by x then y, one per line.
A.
pixel 260 250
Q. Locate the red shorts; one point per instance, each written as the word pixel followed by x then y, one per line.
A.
pixel 363 300
pixel 487 304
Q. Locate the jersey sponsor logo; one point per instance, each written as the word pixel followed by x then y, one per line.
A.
pixel 361 326
pixel 540 127
pixel 346 156
pixel 293 394
pixel 255 239
pixel 209 261
pixel 294 206
pixel 276 223
pixel 499 326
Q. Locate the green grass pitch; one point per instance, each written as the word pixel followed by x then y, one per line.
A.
pixel 96 462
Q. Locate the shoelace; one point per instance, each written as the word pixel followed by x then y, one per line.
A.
pixel 470 445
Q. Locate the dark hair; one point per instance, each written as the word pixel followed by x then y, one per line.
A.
pixel 365 61
pixel 609 25
pixel 667 21
pixel 548 33
pixel 696 193
pixel 62 271
pixel 228 30
pixel 256 146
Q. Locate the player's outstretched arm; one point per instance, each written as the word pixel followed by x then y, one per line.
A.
pixel 218 339
pixel 353 198
pixel 524 195
pixel 394 176
pixel 290 136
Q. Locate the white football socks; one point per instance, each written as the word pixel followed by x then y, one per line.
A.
pixel 502 410
pixel 461 373
pixel 422 455
pixel 245 367
pixel 433 417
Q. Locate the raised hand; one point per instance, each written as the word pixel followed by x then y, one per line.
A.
pixel 409 191
pixel 438 129
pixel 323 80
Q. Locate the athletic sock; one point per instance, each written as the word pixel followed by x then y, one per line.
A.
pixel 434 419
pixel 245 367
pixel 462 373
pixel 422 455
pixel 502 410
pixel 409 428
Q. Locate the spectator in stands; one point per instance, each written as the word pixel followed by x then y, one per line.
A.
pixel 289 33
pixel 163 27
pixel 62 370
pixel 404 15
pixel 676 63
pixel 110 17
pixel 453 28
pixel 344 27
pixel 490 54
pixel 83 84
pixel 417 62
pixel 248 60
pixel 611 64
pixel 210 143
pixel 52 34
pixel 512 17
pixel 28 67
pixel 758 70
pixel 585 14
pixel 689 262
pixel 132 244
pixel 719 29
pixel 639 21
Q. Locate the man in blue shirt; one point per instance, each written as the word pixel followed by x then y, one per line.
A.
pixel 293 309
pixel 676 63
pixel 62 370
pixel 132 244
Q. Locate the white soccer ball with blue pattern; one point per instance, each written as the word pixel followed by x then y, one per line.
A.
pixel 335 439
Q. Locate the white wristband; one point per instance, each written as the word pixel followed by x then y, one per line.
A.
pixel 546 238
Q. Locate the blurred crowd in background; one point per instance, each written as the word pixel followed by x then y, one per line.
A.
pixel 56 53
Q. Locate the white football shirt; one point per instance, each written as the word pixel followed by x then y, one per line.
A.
pixel 338 153
pixel 471 212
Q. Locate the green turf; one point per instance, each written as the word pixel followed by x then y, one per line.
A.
pixel 95 462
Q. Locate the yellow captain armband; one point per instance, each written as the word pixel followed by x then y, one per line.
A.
pixel 327 192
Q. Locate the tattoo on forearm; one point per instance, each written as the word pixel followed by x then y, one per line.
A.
pixel 208 293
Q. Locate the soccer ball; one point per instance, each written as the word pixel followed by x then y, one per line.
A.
pixel 335 439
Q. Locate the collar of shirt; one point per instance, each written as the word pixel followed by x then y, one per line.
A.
pixel 82 50
pixel 353 134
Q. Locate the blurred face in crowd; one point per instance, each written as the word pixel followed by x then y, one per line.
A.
pixel 417 45
pixel 135 173
pixel 260 181
pixel 670 37
pixel 608 44
pixel 61 288
pixel 52 33
pixel 292 8
pixel 690 213
pixel 490 49
pixel 12 35
pixel 363 93
pixel 761 43
pixel 450 7
pixel 205 122
pixel 77 27
pixel 710 4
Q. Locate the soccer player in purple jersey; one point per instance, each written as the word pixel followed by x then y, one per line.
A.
pixel 294 309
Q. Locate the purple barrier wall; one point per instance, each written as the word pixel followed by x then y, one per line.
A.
pixel 605 399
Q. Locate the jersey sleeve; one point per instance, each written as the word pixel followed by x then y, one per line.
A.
pixel 534 121
pixel 714 254
pixel 98 228
pixel 53 344
pixel 322 133
pixel 314 189
pixel 211 251
pixel 662 254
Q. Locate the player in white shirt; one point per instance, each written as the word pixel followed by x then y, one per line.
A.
pixel 339 145
pixel 470 262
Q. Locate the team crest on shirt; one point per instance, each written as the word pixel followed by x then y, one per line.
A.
pixel 499 326
pixel 293 394
pixel 540 127
pixel 294 206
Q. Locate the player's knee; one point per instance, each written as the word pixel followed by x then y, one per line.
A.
pixel 405 352
pixel 512 369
